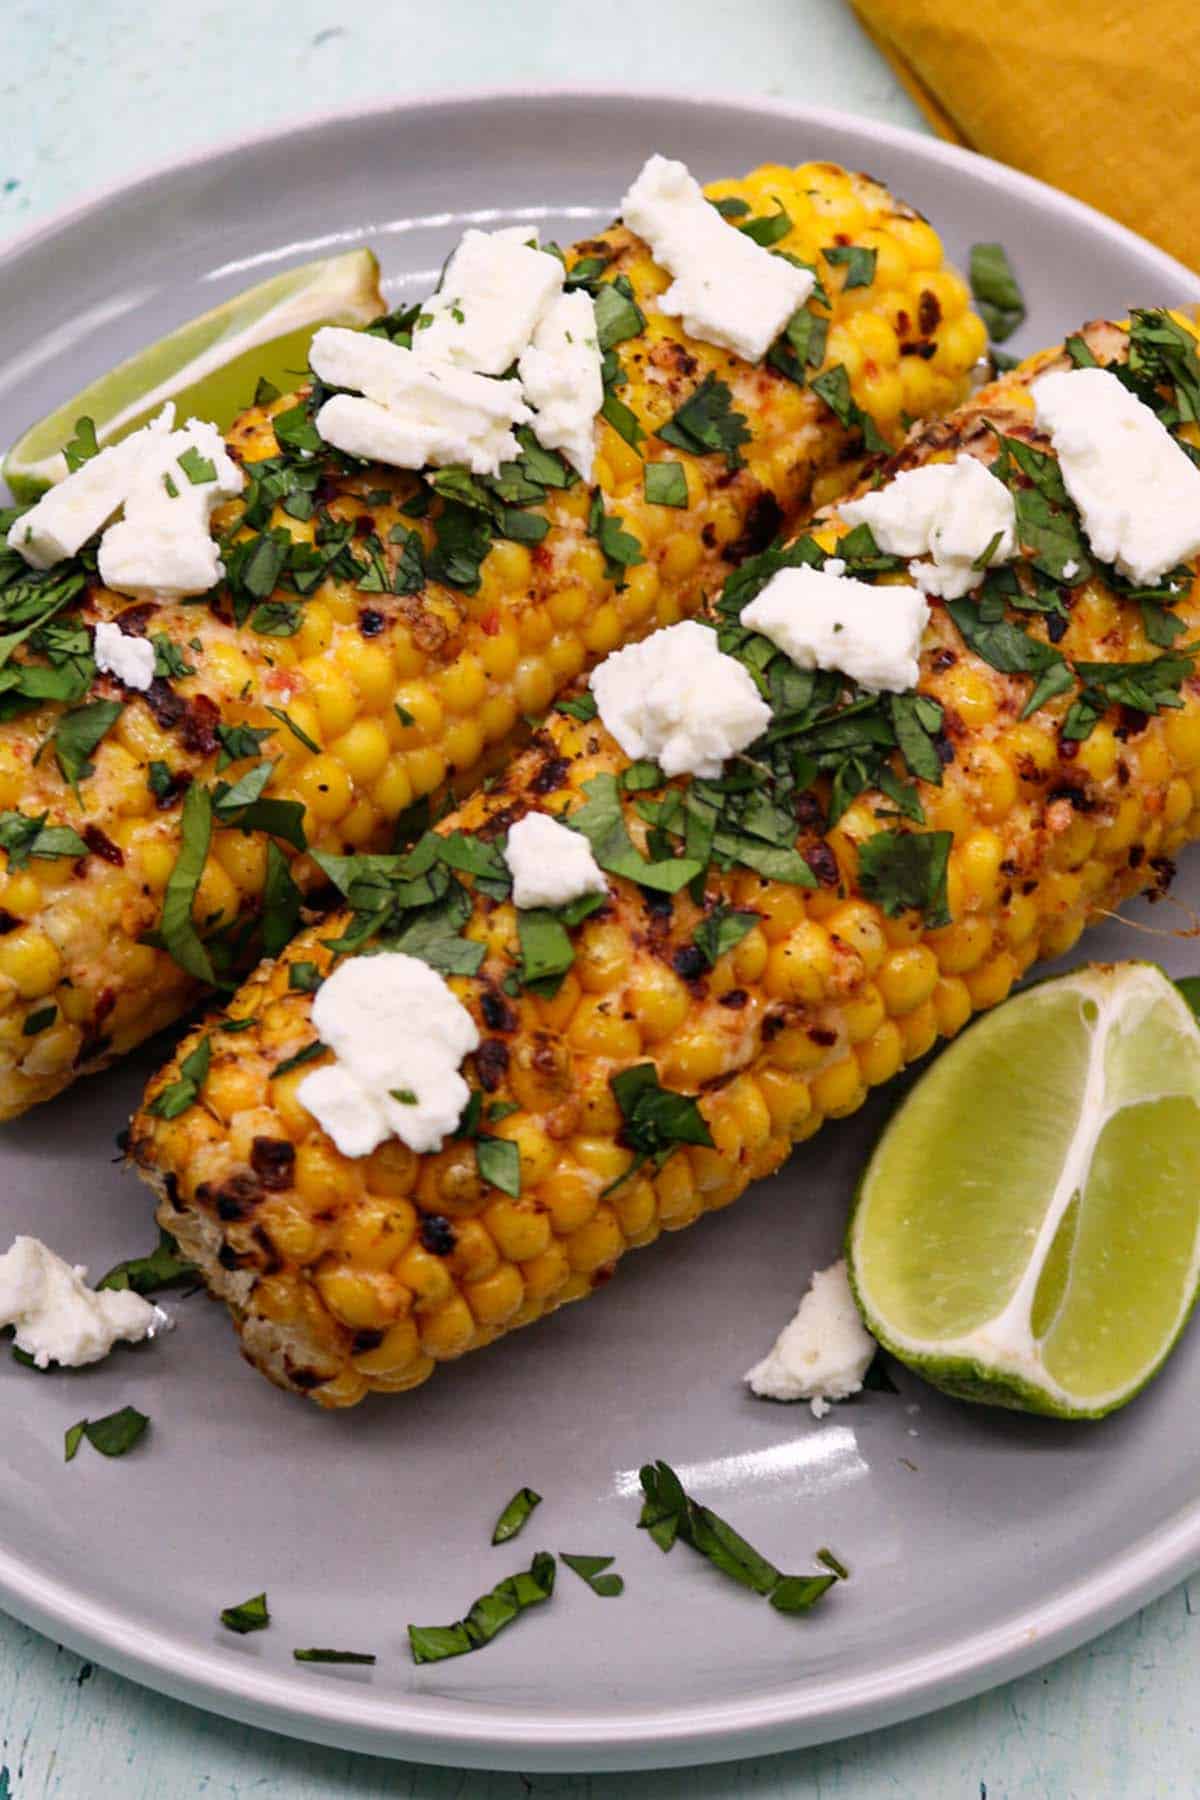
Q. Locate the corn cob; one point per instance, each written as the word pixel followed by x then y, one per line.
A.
pixel 389 696
pixel 345 1276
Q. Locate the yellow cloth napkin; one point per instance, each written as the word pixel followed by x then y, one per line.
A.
pixel 1098 97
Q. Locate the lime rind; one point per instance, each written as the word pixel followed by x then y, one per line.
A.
pixel 275 319
pixel 1144 1051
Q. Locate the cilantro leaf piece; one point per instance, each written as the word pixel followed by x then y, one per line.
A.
pixel 707 423
pixel 114 1435
pixel 302 737
pixel 24 836
pixel 546 949
pixel 1145 687
pixel 833 1563
pixel 1048 525
pixel 303 977
pixel 281 902
pixel 833 387
pixel 83 446
pixel 170 664
pixel 366 1657
pixel 656 1119
pixel 295 432
pixel 1001 643
pixel 196 466
pixel 916 720
pixel 1056 678
pixel 77 734
pixel 669 1513
pixel 489 1615
pixel 1079 353
pixel 248 1615
pixel 265 392
pixel 276 618
pixel 601 821
pixel 179 1095
pixel 731 207
pixel 998 297
pixel 163 1268
pixel 578 706
pixel 665 484
pixel 462 539
pixel 623 420
pixel 544 467
pixel 721 931
pixel 801 346
pixel 515 1515
pixel 1161 350
pixel 907 869
pixel 591 1569
pixel 308 1054
pixel 768 229
pixel 618 315
pixel 499 1163
pixel 620 549
pixel 239 741
pixel 179 935
pixel 856 259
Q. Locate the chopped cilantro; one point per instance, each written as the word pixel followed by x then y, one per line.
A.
pixel 248 1615
pixel 721 931
pixel 281 902
pixel 489 1615
pixel 707 422
pixel 23 836
pixel 179 935
pixel 770 228
pixel 656 1119
pixel 197 467
pixel 618 315
pixel 177 1096
pixel 621 550
pixel 114 1435
pixel 163 1268
pixel 239 741
pixel 998 297
pixel 83 446
pixel 856 259
pixel 903 870
pixel 515 1515
pixel 591 1569
pixel 665 484
pixel 366 1658
pixel 833 387
pixel 76 735
pixel 301 736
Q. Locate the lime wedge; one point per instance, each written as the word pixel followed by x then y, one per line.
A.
pixel 1027 1232
pixel 211 365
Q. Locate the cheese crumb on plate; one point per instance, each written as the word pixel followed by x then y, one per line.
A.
pixel 823 1354
pixel 58 1317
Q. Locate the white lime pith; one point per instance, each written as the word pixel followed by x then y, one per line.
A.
pixel 210 365
pixel 1027 1232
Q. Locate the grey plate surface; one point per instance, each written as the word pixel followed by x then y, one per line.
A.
pixel 980 1543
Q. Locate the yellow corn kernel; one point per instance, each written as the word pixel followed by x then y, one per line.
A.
pixel 507 570
pixel 426 1277
pixel 29 959
pixel 417 701
pixel 856 924
pixel 363 750
pixel 533 684
pixel 600 1029
pixel 448 1330
pixel 358 1299
pixel 907 978
pixel 882 1054
pixel 464 683
pixel 597 1243
pixel 796 1048
pixel 291 1231
pixel 990 983
pixel 320 1176
pixel 1178 802
pixel 601 956
pixel 750 956
pixel 681 556
pixel 324 787
pixel 331 694
pixel 1097 754
pixel 679 1199
pixel 536 1151
pixel 798 969
pixel 961 946
pixel 426 770
pixel 863 1012
pixel 788 1099
pixel 231 1088
pixel 977 862
pixel 570 1198
pixel 951 1005
pixel 694 1056
pixel 496 1298
pixel 378 1232
pixel 393 791
pixel 838 1089
pixel 1182 732
pixel 919 1030
pixel 658 999
pixel 463 743
pixel 398 1350
pixel 316 630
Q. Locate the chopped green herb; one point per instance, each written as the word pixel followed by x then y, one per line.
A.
pixel 281 902
pixel 656 1120
pixel 1048 525
pixel 802 345
pixel 1162 350
pixel 489 1615
pixel 515 1515
pixel 365 1657
pixel 197 467
pixel 309 1054
pixel 665 484
pixel 24 836
pixel 591 1569
pixel 833 387
pixel 1145 687
pixel 250 1615
pixel 276 618
pixel 114 1435
pixel 907 869
pixel 578 706
pixel 1079 353
pixel 178 928
pixel 602 822
pixel 77 734
pixel 83 446
pixel 722 931
pixel 707 422
pixel 304 977
pixel 163 1268
pixel 621 550
pixel 499 1163
pixel 731 207
pixel 856 259
pixel 998 297
pixel 179 1095
pixel 769 229
pixel 833 1563
pixel 301 736
pixel 296 433
pixel 265 392
pixel 239 741
pixel 669 1513
pixel 462 539
pixel 618 315
pixel 623 420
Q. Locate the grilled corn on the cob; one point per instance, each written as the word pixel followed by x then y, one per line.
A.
pixel 392 653
pixel 352 1275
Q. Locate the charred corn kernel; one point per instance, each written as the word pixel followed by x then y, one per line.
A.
pixel 799 968
pixel 356 1298
pixel 319 1176
pixel 397 1350
pixel 426 1277
pixel 377 1232
pixel 858 927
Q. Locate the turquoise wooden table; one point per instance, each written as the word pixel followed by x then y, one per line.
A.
pixel 89 93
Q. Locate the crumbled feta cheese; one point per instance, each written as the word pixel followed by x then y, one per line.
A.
pixel 399 1036
pixel 1070 570
pixel 678 699
pixel 413 413
pixel 130 659
pixel 550 864
pixel 728 290
pixel 560 373
pixel 80 505
pixel 1137 491
pixel 493 293
pixel 823 1354
pixel 163 544
pixel 824 621
pixel 58 1317
pixel 952 512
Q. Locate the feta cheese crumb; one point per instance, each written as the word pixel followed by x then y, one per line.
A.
pixel 163 544
pixel 1137 491
pixel 952 512
pixel 550 864
pixel 399 1037
pixel 59 524
pixel 560 373
pixel 679 700
pixel 824 1352
pixel 413 413
pixel 825 621
pixel 493 293
pixel 130 659
pixel 58 1318
pixel 728 290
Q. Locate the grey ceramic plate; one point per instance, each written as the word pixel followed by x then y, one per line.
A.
pixel 980 1543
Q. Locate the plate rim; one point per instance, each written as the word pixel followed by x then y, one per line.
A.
pixel 461 1733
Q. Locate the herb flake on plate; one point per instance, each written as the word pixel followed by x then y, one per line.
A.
pixel 491 1613
pixel 114 1435
pixel 248 1615
pixel 515 1515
